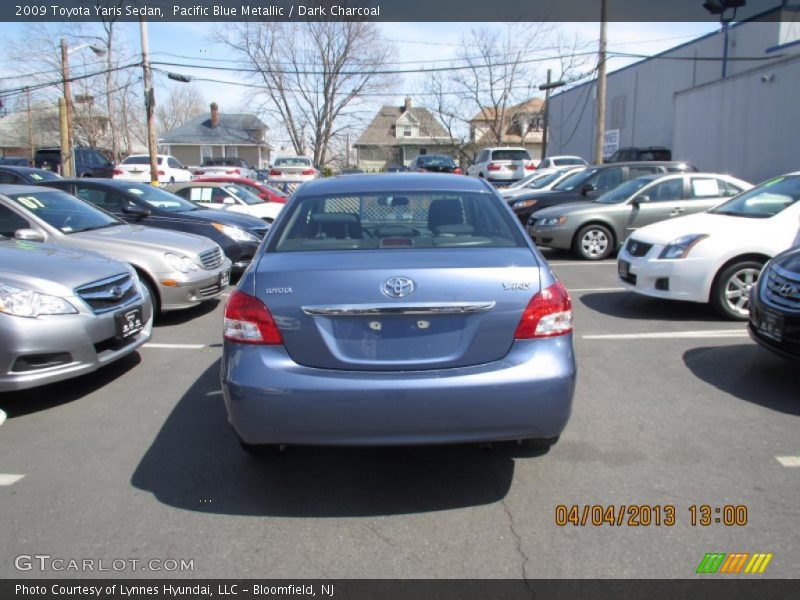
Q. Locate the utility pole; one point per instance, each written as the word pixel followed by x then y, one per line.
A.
pixel 546 87
pixel 66 140
pixel 30 126
pixel 149 104
pixel 62 115
pixel 600 125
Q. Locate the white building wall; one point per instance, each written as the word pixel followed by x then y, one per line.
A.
pixel 744 125
pixel 640 98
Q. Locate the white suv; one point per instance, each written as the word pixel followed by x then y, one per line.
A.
pixel 502 165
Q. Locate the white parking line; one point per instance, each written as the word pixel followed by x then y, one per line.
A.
pixel 662 335
pixel 176 346
pixel 582 263
pixel 9 479
pixel 608 289
pixel 789 461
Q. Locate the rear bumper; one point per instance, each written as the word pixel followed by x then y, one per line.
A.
pixel 273 400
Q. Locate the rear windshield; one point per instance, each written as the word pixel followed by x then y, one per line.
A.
pixel 139 160
pixel 387 221
pixel 510 155
pixel 435 160
pixel 292 162
pixel 568 161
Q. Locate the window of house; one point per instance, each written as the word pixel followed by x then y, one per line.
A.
pixel 407 130
pixel 206 152
pixel 231 151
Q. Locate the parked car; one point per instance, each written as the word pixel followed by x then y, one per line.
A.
pixel 287 172
pixel 502 165
pixel 178 270
pixel 562 161
pixel 541 179
pixel 262 190
pixel 775 305
pixel 714 257
pixel 88 161
pixel 352 171
pixel 396 169
pixel 639 154
pixel 22 175
pixel 391 310
pixel 226 196
pixel 230 166
pixel 65 313
pixel 17 161
pixel 143 204
pixel 593 230
pixel 434 163
pixel 136 167
pixel 589 184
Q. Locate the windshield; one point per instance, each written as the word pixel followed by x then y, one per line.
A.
pixel 292 162
pixel 244 194
pixel 510 155
pixel 384 221
pixel 622 192
pixel 64 212
pixel 574 181
pixel 139 160
pixel 159 198
pixel 43 175
pixel 764 201
pixel 545 179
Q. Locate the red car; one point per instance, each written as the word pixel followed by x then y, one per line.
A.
pixel 264 192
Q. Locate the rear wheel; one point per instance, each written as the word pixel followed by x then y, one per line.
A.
pixel 730 295
pixel 593 242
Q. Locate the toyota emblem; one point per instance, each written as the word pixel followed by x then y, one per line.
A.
pixel 398 287
pixel 787 290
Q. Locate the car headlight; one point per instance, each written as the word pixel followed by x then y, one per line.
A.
pixel 235 233
pixel 523 204
pixel 551 221
pixel 21 302
pixel 181 263
pixel 680 248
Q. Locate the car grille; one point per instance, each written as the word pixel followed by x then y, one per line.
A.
pixel 211 259
pixel 108 294
pixel 210 290
pixel 782 288
pixel 636 248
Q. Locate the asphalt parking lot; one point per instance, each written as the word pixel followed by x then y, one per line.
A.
pixel 673 407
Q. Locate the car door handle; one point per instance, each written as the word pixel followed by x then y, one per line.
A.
pixel 677 211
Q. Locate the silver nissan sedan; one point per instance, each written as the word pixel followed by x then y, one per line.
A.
pixel 397 310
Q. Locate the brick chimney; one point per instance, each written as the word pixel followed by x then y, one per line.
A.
pixel 214 114
pixel 407 104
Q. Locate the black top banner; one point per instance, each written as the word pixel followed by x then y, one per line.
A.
pixel 373 10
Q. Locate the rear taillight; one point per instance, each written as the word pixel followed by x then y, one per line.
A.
pixel 457 171
pixel 529 166
pixel 199 172
pixel 119 172
pixel 233 172
pixel 161 173
pixel 549 313
pixel 274 173
pixel 309 172
pixel 494 167
pixel 248 321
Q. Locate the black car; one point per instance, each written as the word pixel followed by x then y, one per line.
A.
pixel 17 161
pixel 142 204
pixel 434 163
pixel 638 154
pixel 88 162
pixel 588 184
pixel 775 305
pixel 26 175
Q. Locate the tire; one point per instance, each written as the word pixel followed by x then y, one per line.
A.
pixel 153 295
pixel 730 294
pixel 593 242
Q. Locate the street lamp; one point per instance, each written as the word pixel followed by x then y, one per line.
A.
pixel 546 87
pixel 721 8
pixel 67 157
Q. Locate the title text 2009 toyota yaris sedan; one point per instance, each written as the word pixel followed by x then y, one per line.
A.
pixel 394 310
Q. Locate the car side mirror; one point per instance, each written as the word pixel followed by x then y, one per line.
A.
pixel 29 235
pixel 136 211
pixel 263 195
pixel 589 187
pixel 641 199
pixel 228 201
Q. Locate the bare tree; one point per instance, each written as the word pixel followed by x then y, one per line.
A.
pixel 183 102
pixel 313 74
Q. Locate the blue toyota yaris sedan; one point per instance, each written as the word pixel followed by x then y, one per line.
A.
pixel 393 310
